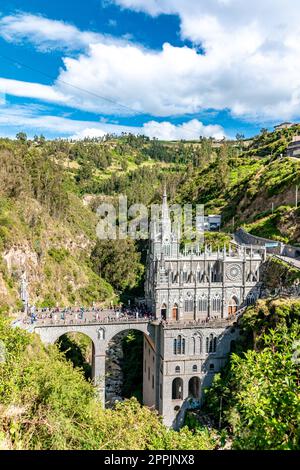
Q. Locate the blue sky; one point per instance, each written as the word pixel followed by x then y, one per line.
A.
pixel 166 68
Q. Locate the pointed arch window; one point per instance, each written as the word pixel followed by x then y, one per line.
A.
pixel 216 303
pixel 202 304
pixel 194 387
pixel 250 299
pixel 179 345
pixel 189 305
pixel 196 345
pixel 177 389
pixel 211 343
pixel 167 250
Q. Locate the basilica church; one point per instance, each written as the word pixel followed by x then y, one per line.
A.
pixel 198 284
pixel 195 295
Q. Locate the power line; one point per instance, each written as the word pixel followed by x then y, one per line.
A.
pixel 33 69
pixel 84 90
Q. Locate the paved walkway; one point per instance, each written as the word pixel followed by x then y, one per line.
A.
pixel 61 318
pixel 77 317
pixel 292 261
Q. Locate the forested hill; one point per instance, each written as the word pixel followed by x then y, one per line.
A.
pixel 49 191
pixel 48 227
pixel 252 184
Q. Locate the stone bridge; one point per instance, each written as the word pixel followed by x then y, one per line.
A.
pixel 100 334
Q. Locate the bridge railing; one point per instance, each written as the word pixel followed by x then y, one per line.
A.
pixel 85 321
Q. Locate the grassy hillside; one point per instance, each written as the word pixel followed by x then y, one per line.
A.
pixel 255 189
pixel 272 143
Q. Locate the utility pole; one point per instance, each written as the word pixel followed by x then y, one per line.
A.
pixel 297 197
pixel 272 207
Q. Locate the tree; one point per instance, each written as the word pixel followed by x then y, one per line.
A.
pixel 260 386
pixel 40 140
pixel 222 167
pixel 21 136
pixel 85 172
pixel 118 262
pixel 264 131
pixel 239 137
pixel 46 404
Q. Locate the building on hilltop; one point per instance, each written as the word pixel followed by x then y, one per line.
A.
pixel 195 294
pixel 209 223
pixel 283 125
pixel 293 149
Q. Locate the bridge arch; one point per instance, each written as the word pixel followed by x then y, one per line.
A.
pixel 79 349
pixel 124 365
pixel 51 334
pixel 194 387
pixel 114 329
pixel 100 335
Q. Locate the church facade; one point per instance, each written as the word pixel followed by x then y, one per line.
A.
pixel 195 295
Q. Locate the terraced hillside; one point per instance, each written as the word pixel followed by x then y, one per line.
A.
pixel 251 190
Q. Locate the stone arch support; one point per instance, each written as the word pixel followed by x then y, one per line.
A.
pixel 100 335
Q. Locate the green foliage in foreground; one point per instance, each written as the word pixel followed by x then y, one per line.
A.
pixel 259 390
pixel 46 404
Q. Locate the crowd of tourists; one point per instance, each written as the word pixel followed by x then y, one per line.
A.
pixel 86 314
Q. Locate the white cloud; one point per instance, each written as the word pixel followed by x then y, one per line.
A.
pixel 30 117
pixel 187 131
pixel 89 132
pixel 153 7
pixel 46 34
pixel 159 83
pixel 31 90
pixel 250 64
